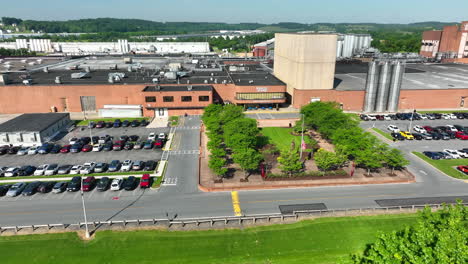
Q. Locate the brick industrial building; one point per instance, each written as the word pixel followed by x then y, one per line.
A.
pixel 304 70
pixel 448 45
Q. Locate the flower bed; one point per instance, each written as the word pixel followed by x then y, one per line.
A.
pixel 310 175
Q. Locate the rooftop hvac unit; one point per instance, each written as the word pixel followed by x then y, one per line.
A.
pixel 130 69
pixel 251 81
pixel 206 81
pixel 46 69
pixel 3 79
pixel 189 87
pixel 88 69
pixel 155 80
pixel 80 75
pixel 58 80
pixel 27 82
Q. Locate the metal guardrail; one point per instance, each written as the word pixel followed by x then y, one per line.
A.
pixel 220 221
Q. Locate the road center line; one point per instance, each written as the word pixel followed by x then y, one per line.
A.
pixel 235 203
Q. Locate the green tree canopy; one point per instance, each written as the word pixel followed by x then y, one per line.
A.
pixel 248 159
pixel 327 160
pixel 241 133
pixel 290 161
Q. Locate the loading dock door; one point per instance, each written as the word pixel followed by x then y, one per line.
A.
pixel 88 103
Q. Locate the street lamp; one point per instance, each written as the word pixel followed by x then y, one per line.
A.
pixel 84 209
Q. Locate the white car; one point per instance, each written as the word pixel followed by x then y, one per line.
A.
pixel 126 165
pixel 88 168
pixel 11 172
pixel 387 118
pixel 41 170
pixel 97 147
pixel 445 116
pixel 75 169
pixel 116 184
pixel 423 117
pixel 452 153
pixel 420 129
pixel 451 128
pixel 33 150
pixel 51 170
pixel 462 154
pixel 162 136
pixel 452 116
pixel 23 151
pixel 393 129
pixel 73 141
pixel 152 136
pixel 372 118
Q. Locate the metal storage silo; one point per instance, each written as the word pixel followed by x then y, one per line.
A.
pixel 384 87
pixel 348 46
pixel 339 49
pixel 395 86
pixel 371 87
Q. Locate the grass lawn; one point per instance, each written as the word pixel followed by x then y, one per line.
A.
pixel 446 166
pixel 86 122
pixel 156 182
pixel 386 135
pixel 323 240
pixel 69 176
pixel 174 120
pixel 282 137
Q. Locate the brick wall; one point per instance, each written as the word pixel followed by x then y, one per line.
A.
pixel 351 100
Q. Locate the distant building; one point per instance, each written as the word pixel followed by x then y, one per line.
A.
pixel 33 129
pixel 448 45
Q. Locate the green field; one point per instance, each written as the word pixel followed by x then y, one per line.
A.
pixel 446 166
pixel 325 240
pixel 86 122
pixel 386 135
pixel 282 137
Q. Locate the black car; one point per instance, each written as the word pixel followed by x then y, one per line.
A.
pixel 125 123
pixel 123 138
pixel 4 189
pixel 150 165
pixel 91 124
pixel 432 155
pixel 3 150
pixel 128 146
pixel 109 124
pixel 114 165
pixel 398 136
pixel 130 183
pixel 133 138
pixel 26 170
pixel 75 184
pixel 418 136
pixel 13 150
pixel 108 146
pixel 95 139
pixel 103 184
pixel 135 123
pixel 75 148
pixel 31 188
pixel 445 136
pixel 117 123
pixel 55 149
pixel 435 136
pixel 46 187
pixel 85 140
pixel 437 115
pixel 144 123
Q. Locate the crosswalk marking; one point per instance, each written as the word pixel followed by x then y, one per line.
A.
pixel 189 128
pixel 184 152
pixel 170 181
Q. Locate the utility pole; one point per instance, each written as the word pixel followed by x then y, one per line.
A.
pixel 84 209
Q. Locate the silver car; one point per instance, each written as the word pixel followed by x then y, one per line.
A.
pixel 23 151
pixel 51 170
pixel 16 189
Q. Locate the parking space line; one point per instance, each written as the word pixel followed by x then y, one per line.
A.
pixel 76 195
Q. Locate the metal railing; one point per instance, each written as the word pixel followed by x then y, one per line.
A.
pixel 220 221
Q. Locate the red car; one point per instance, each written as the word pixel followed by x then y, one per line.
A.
pixel 461 135
pixel 428 128
pixel 100 124
pixel 65 149
pixel 463 169
pixel 88 183
pixel 87 148
pixel 158 143
pixel 145 181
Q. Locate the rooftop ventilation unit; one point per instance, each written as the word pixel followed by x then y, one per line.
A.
pixel 251 81
pixel 27 81
pixel 46 69
pixel 189 87
pixel 206 81
pixel 157 88
pixel 88 69
pixel 3 79
pixel 58 80
pixel 80 75
pixel 155 80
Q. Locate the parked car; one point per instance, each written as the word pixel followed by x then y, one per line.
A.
pixel 162 136
pixel 145 181
pixel 114 166
pixel 130 183
pixel 74 185
pixel 45 148
pixel 453 153
pixel 26 170
pixel 55 149
pixel 4 150
pixel 85 140
pixel 398 136
pixel 126 165
pixel 418 136
pixel 150 165
pixel 116 184
pixel 64 169
pixel 133 138
pixel 123 138
pixel 144 123
pixel 88 168
pixel 75 148
pixel 97 147
pixel 125 123
pixel 16 189
pixel 88 183
pixel 152 136
pixel 148 144
pixel 451 128
pixel 4 189
pixel 407 135
pixel 109 124
pixel 463 169
pixel 426 136
pixel 87 148
pixel 103 184
pixel 95 140
pixel 100 124
pixel 51 170
pixel 75 169
pixel 104 139
pixel 393 129
pixel 128 146
pixel 158 143
pixel 100 167
pixel 108 146
pixel 46 187
pixel 59 187
pixel 117 123
pixel 65 149
pixel 73 141
pixel 138 145
pixel 91 124
pixel 461 135
pixel 435 136
pixel 11 172
pixel 13 150
pixel 41 170
pixel 31 188
pixel 135 123
pixel 428 128
pixel 419 129
pixel 432 155
pixel 118 145
pixel 22 151
pixel 138 165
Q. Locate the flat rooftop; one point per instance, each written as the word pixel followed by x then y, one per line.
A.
pixel 352 77
pixel 36 122
pixel 179 88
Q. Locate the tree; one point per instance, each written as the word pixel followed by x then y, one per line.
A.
pixel 241 133
pixel 438 237
pixel 248 159
pixel 230 113
pixel 369 160
pixel 327 160
pixel 290 161
pixel 395 159
pixel 216 164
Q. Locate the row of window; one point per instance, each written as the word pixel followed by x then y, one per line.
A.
pixel 168 99
pixel 260 96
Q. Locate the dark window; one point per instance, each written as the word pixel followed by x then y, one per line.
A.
pixel 186 98
pixel 168 99
pixel 150 99
pixel 203 98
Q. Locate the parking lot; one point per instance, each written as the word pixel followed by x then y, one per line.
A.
pixel 82 157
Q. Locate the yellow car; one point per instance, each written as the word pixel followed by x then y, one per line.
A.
pixel 407 135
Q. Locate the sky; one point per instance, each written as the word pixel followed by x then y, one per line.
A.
pixel 235 11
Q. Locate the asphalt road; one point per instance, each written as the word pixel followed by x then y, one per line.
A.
pixel 180 195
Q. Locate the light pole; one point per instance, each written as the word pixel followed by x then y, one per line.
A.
pixel 302 136
pixel 84 209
